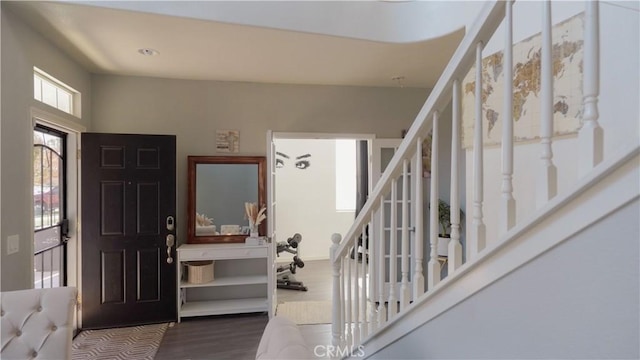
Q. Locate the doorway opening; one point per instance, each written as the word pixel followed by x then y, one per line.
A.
pixel 55 172
pixel 317 184
pixel 51 226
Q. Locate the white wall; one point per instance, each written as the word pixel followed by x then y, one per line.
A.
pixel 393 21
pixel 194 110
pixel 618 114
pixel 22 49
pixel 306 199
pixel 572 302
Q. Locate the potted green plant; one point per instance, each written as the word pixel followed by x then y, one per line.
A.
pixel 444 219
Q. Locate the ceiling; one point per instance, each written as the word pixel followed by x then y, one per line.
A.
pixel 107 40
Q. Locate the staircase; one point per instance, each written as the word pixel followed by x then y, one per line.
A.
pixel 508 284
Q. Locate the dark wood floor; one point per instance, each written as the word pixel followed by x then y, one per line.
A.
pixel 237 336
pixel 214 337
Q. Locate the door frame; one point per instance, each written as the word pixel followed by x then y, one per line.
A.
pixel 73 131
pixel 271 136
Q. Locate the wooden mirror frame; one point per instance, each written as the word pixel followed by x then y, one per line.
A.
pixel 193 161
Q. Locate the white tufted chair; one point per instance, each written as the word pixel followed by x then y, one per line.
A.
pixel 37 323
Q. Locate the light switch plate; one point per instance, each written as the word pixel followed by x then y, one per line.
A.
pixel 13 244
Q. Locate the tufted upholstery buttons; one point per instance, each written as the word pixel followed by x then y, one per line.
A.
pixel 37 323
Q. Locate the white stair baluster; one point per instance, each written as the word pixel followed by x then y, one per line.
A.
pixel 356 297
pixel 478 237
pixel 371 256
pixel 336 324
pixel 363 297
pixel 382 309
pixel 434 265
pixel 404 265
pixel 454 251
pixel 591 135
pixel 547 182
pixel 508 204
pixel 349 307
pixel 418 276
pixel 345 303
pixel 393 250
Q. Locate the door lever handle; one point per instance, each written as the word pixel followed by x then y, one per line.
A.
pixel 171 240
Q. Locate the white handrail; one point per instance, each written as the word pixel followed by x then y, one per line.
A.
pixel 347 328
pixel 486 23
pixel 383 231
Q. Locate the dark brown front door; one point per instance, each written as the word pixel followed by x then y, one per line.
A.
pixel 128 195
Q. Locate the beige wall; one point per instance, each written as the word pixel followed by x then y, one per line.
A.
pixel 194 110
pixel 22 49
pixel 191 110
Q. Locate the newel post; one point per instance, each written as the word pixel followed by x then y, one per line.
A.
pixel 336 321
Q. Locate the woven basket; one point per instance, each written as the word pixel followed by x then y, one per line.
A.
pixel 199 272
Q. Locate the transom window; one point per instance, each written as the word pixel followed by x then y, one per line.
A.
pixel 55 93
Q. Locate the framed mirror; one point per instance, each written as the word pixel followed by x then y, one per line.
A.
pixel 218 188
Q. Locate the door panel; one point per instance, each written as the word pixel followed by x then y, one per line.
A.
pixel 128 191
pixel 148 271
pixel 112 276
pixel 147 215
pixel 113 207
pixel 382 151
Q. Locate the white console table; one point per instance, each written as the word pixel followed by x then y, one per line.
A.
pixel 242 282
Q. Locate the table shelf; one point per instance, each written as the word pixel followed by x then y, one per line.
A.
pixel 229 281
pixel 241 284
pixel 220 307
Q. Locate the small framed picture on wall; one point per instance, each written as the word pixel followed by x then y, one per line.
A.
pixel 227 141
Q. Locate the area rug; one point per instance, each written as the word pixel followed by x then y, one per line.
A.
pixel 136 342
pixel 306 312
